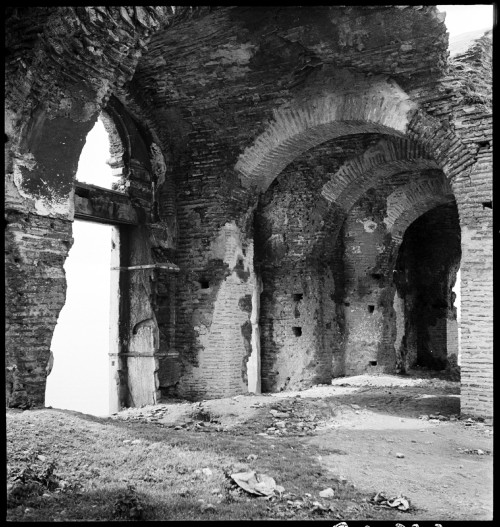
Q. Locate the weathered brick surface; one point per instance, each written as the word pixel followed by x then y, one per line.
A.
pixel 463 97
pixel 326 112
pixel 295 233
pixel 36 248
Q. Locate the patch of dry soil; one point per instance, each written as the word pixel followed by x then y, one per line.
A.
pixel 400 435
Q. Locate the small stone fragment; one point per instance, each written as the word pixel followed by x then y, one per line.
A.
pixel 327 493
pixel 279 489
pixel 399 455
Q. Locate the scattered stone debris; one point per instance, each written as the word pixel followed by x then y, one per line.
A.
pixel 477 451
pixel 327 493
pixel 399 502
pixel 290 505
pixel 254 483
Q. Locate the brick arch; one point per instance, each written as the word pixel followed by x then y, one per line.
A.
pixel 452 155
pixel 385 158
pixel 353 187
pixel 405 205
pixel 381 108
pixel 409 202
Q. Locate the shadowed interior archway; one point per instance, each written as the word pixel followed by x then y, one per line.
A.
pixel 301 258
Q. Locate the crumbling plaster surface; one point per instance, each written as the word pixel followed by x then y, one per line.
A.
pixel 17 198
pixel 225 331
pixel 364 315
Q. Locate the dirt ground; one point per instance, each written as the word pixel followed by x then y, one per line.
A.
pixel 400 435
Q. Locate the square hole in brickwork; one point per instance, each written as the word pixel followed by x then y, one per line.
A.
pixel 372 363
pixel 487 204
pixel 377 276
pixel 297 297
pixel 297 331
pixel 204 284
pixel 347 304
pixel 371 309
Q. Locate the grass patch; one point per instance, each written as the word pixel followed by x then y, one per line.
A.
pixel 73 467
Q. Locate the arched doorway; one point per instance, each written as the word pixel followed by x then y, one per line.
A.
pixel 425 276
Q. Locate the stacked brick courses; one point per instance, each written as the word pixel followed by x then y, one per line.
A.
pixel 36 248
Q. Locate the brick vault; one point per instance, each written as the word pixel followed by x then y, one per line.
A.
pixel 298 188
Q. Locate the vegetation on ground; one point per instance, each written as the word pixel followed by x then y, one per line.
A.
pixel 66 466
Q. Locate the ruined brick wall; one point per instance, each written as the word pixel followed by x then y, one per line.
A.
pixel 373 231
pixel 61 67
pixel 227 99
pixel 463 98
pixel 474 197
pixel 205 133
pixel 36 248
pixel 364 306
pixel 295 235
